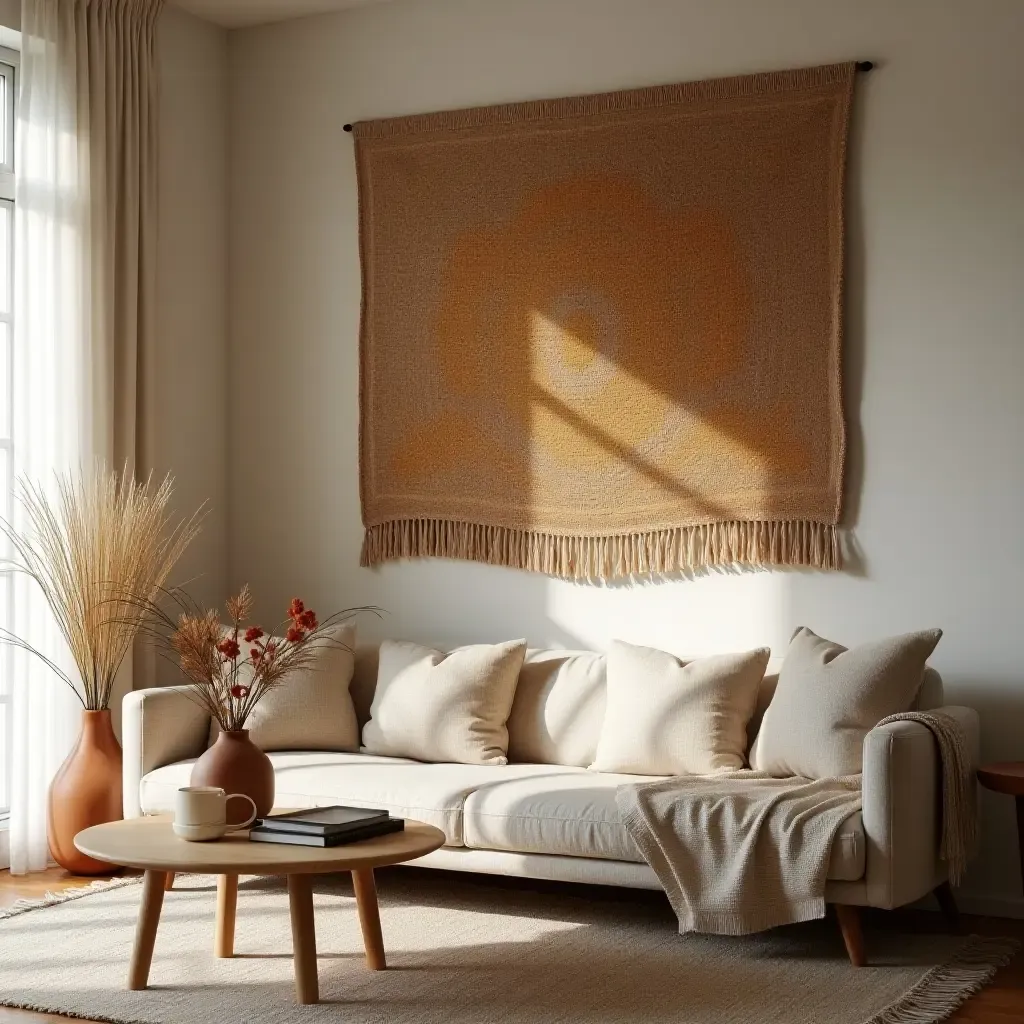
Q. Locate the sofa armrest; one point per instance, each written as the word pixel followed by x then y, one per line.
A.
pixel 902 812
pixel 158 726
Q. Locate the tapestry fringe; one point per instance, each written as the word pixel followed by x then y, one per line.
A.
pixel 684 549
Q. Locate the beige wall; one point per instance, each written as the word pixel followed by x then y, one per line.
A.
pixel 192 285
pixel 935 317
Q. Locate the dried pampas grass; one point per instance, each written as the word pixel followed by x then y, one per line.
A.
pixel 100 547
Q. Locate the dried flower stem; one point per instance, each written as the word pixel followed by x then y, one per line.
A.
pixel 230 673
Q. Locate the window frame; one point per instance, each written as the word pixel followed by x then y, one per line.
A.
pixel 9 67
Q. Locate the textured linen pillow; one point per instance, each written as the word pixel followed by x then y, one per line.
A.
pixel 310 709
pixel 453 707
pixel 558 709
pixel 670 716
pixel 829 698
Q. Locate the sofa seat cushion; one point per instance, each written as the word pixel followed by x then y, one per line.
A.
pixel 433 793
pixel 574 814
pixel 569 814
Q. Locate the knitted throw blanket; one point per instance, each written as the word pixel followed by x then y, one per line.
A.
pixel 740 851
pixel 601 335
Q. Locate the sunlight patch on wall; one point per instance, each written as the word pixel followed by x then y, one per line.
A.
pixel 715 614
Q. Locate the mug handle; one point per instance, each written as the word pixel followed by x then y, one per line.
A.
pixel 248 821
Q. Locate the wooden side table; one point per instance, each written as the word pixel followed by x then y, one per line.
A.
pixel 1008 777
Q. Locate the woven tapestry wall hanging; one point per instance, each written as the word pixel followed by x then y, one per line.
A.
pixel 601 335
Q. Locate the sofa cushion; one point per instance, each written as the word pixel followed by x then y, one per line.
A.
pixel 444 707
pixel 575 815
pixel 311 708
pixel 433 793
pixel 930 695
pixel 828 698
pixel 571 814
pixel 670 716
pixel 558 708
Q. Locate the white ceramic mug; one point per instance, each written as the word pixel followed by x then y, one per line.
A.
pixel 201 813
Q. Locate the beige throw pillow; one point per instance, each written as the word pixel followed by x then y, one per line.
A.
pixel 310 709
pixel 558 709
pixel 829 698
pixel 453 707
pixel 670 716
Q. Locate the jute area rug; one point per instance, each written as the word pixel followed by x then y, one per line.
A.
pixel 468 950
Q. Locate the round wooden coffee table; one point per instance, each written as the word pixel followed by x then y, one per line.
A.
pixel 150 845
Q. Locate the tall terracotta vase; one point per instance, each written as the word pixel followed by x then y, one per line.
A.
pixel 237 765
pixel 85 791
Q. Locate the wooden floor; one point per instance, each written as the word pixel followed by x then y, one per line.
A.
pixel 1002 1002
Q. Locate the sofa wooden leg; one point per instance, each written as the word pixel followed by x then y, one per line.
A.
pixel 950 911
pixel 853 936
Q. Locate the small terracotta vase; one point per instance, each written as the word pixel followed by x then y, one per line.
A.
pixel 85 791
pixel 237 765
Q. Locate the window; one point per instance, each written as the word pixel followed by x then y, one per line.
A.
pixel 8 72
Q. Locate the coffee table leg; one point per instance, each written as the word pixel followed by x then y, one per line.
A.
pixel 145 930
pixel 169 884
pixel 300 903
pixel 369 918
pixel 227 898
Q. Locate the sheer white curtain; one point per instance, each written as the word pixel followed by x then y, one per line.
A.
pixel 85 238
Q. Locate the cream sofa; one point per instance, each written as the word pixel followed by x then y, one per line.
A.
pixel 554 819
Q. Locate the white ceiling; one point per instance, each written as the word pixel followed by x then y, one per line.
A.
pixel 236 13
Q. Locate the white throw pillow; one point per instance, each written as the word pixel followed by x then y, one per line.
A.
pixel 310 709
pixel 829 698
pixel 453 707
pixel 670 716
pixel 558 709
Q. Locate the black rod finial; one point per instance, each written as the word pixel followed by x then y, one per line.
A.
pixel 865 65
pixel 346 127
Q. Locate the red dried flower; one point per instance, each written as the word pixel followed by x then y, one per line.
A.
pixel 270 650
pixel 239 691
pixel 252 634
pixel 296 608
pixel 295 634
pixel 255 655
pixel 308 619
pixel 229 648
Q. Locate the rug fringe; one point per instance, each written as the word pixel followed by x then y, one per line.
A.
pixel 684 549
pixel 50 899
pixel 945 987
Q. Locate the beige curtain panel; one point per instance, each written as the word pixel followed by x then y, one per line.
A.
pixel 90 203
pixel 85 216
pixel 601 336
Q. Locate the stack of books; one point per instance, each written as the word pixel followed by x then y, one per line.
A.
pixel 324 826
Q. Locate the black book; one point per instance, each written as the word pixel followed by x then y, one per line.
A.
pixel 322 821
pixel 371 830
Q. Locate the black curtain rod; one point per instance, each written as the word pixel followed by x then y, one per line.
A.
pixel 862 65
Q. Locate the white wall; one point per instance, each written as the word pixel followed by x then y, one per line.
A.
pixel 191 438
pixel 935 317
